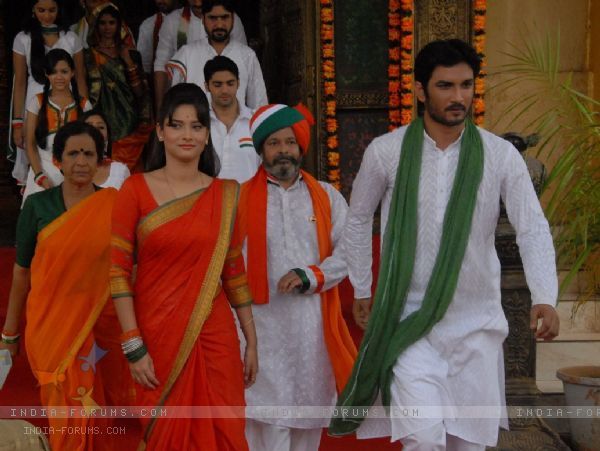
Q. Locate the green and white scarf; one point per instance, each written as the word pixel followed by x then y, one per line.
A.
pixel 386 336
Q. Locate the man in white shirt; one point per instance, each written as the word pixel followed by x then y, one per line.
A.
pixel 187 65
pixel 183 26
pixel 82 28
pixel 291 224
pixel 147 40
pixel 434 338
pixel 230 121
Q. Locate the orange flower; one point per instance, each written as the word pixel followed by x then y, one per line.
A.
pixel 394 5
pixel 331 125
pixel 332 142
pixel 327 35
pixel 406 81
pixel 393 71
pixel 394 19
pixel 479 85
pixel 333 159
pixel 478 106
pixel 394 116
pixel 337 186
pixel 394 34
pixel 407 100
pixel 407 23
pixel 479 23
pixel 394 100
pixel 406 42
pixel 329 88
pixel 406 66
pixel 394 53
pixel 479 5
pixel 393 86
pixel 325 3
pixel 407 5
pixel 327 14
pixel 330 108
pixel 405 117
pixel 333 175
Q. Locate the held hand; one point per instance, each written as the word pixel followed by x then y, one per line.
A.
pixel 142 372
pixel 250 366
pixel 47 183
pixel 289 282
pixel 18 137
pixel 12 348
pixel 361 309
pixel 125 56
pixel 550 322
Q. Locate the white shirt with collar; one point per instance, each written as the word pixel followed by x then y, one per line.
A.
pixel 187 66
pixel 145 41
pixel 470 335
pixel 167 37
pixel 295 369
pixel 237 156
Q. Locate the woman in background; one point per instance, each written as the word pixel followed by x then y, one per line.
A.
pixel 42 32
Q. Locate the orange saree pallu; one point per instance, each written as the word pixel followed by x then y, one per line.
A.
pixel 182 311
pixel 69 293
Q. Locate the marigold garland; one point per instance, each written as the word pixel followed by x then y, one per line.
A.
pixel 400 37
pixel 479 45
pixel 329 93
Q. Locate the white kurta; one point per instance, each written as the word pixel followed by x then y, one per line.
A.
pixel 237 156
pixel 167 37
pixel 187 66
pixel 460 361
pixel 145 42
pixel 294 365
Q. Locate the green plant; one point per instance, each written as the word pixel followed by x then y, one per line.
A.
pixel 568 123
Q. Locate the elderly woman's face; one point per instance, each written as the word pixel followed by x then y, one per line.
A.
pixel 79 160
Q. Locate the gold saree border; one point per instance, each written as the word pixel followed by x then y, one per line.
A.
pixel 204 301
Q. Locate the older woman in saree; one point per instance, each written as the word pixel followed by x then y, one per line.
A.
pixel 179 335
pixel 61 276
pixel 117 86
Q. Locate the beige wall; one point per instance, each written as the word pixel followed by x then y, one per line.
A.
pixel 514 22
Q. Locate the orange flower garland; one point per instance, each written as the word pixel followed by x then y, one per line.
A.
pixel 400 37
pixel 329 93
pixel 479 45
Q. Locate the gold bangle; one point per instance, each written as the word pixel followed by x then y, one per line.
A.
pixel 248 322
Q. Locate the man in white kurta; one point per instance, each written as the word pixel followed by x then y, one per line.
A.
pixel 295 367
pixel 187 65
pixel 147 40
pixel 230 121
pixel 460 361
pixel 184 26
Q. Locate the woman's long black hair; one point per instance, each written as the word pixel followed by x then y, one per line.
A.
pixel 33 27
pixel 178 95
pixel 52 58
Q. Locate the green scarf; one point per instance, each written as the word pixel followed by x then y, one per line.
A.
pixel 386 336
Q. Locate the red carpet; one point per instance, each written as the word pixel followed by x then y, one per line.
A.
pixel 20 388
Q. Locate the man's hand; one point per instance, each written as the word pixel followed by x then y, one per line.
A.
pixel 361 309
pixel 550 322
pixel 289 282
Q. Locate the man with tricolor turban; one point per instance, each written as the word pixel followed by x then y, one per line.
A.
pixel 292 223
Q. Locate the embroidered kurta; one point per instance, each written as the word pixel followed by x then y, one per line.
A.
pixel 469 337
pixel 295 369
pixel 167 38
pixel 237 156
pixel 187 66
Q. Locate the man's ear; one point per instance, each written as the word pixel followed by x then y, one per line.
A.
pixel 420 91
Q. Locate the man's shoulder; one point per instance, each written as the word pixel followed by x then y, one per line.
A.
pixel 496 145
pixel 148 23
pixel 174 16
pixel 236 46
pixel 388 142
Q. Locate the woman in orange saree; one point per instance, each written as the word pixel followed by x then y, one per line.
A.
pixel 61 272
pixel 179 334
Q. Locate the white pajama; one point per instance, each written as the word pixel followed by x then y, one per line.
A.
pixel 269 437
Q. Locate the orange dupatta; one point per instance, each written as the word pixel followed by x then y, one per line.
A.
pixel 252 222
pixel 69 291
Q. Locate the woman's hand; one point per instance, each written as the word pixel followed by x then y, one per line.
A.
pixel 250 365
pixel 142 372
pixel 47 183
pixel 18 137
pixel 12 348
pixel 126 56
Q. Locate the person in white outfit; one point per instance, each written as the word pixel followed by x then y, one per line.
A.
pixel 230 121
pixel 434 337
pixel 292 224
pixel 187 65
pixel 148 35
pixel 183 26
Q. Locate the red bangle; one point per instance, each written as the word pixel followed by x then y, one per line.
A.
pixel 129 335
pixel 40 179
pixel 18 125
pixel 10 333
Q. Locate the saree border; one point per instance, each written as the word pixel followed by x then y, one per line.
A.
pixel 204 301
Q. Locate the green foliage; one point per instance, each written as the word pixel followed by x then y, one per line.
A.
pixel 568 123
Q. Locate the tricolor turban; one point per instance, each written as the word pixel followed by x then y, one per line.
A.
pixel 270 118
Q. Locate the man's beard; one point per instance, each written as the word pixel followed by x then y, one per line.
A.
pixel 283 172
pixel 219 35
pixel 440 119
